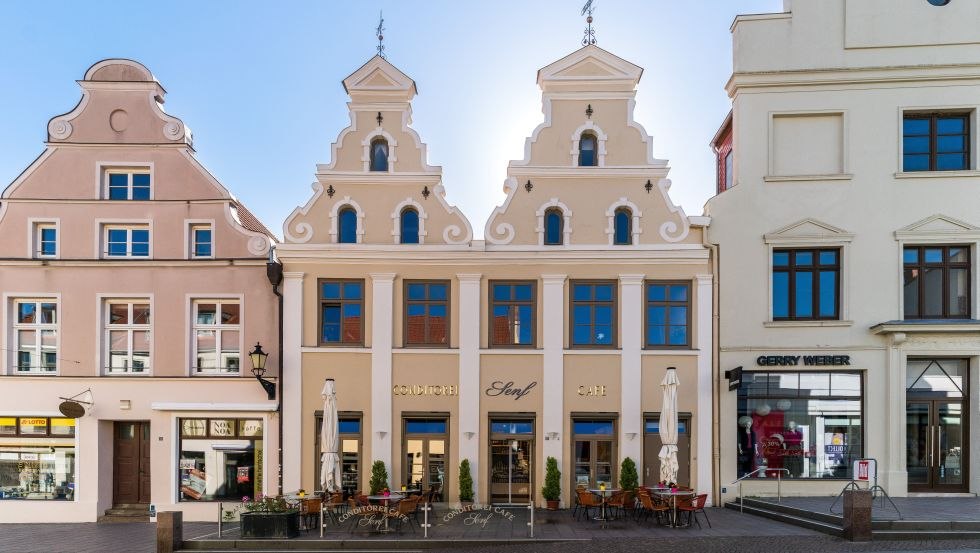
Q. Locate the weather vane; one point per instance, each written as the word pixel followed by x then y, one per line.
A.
pixel 587 9
pixel 379 32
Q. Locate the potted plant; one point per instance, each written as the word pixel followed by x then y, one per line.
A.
pixel 379 477
pixel 629 480
pixel 465 484
pixel 552 484
pixel 269 517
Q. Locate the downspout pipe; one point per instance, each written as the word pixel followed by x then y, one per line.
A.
pixel 273 270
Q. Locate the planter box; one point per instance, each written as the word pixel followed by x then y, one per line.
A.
pixel 270 525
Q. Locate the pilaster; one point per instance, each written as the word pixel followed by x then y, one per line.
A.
pixel 631 379
pixel 291 383
pixel 382 313
pixel 469 426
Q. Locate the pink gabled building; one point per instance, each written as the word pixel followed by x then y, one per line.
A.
pixel 135 282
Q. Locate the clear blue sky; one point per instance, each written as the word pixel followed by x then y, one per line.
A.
pixel 259 83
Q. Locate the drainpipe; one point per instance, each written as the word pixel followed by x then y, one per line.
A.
pixel 715 370
pixel 273 270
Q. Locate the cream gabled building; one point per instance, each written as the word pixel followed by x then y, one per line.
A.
pixel 550 337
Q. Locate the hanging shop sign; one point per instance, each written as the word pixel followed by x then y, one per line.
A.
pixel 425 390
pixel 808 360
pixel 501 388
pixel 734 377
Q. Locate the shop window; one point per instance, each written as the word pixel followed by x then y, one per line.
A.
pixel 512 314
pixel 348 225
pixel 37 458
pixel 668 314
pixel 349 426
pixel 220 459
pixel 379 154
pixel 341 312
pixel 127 185
pixel 593 313
pixel 217 336
pixel 937 282
pixel 426 313
pixel 808 423
pixel 806 284
pixel 594 452
pixel 935 142
pixel 128 335
pixel 554 227
pixel 36 336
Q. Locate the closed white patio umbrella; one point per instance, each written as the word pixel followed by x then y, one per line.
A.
pixel 668 427
pixel 330 440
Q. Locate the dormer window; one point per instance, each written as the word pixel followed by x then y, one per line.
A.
pixel 587 150
pixel 409 226
pixel 553 227
pixel 379 154
pixel 128 184
pixel 348 225
pixel 623 232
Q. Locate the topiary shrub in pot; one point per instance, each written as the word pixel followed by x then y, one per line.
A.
pixel 465 483
pixel 552 483
pixel 379 477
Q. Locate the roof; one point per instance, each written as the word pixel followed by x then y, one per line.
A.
pixel 252 223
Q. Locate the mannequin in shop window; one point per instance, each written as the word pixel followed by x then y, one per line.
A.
pixel 793 440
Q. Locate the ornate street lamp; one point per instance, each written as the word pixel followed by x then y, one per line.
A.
pixel 258 370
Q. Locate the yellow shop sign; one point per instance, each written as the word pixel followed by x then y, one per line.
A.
pixel 592 391
pixel 425 390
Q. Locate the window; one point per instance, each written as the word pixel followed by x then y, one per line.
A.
pixel 936 142
pixel 37 458
pixel 201 241
pixel 623 227
pixel 36 336
pixel 129 241
pixel 341 312
pixel 425 452
pixel 729 170
pixel 938 2
pixel 216 335
pixel 128 185
pixel 220 459
pixel 409 222
pixel 809 423
pixel 512 313
pixel 587 150
pixel 127 337
pixel 937 282
pixel 594 452
pixel 806 284
pixel 554 226
pixel 426 313
pixel 350 451
pixel 348 225
pixel 45 240
pixel 594 313
pixel 668 314
pixel 379 154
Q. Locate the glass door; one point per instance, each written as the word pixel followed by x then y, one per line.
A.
pixel 511 461
pixel 594 451
pixel 918 443
pixel 936 445
pixel 425 451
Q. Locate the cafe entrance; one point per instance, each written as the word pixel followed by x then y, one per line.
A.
pixel 425 453
pixel 936 425
pixel 511 461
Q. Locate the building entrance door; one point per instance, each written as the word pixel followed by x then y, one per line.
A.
pixel 511 461
pixel 651 451
pixel 426 446
pixel 131 462
pixel 937 446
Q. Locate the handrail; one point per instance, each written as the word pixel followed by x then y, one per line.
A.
pixel 779 484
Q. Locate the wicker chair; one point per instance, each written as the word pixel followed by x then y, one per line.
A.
pixel 617 502
pixel 649 506
pixel 692 507
pixel 406 509
pixel 587 501
pixel 309 512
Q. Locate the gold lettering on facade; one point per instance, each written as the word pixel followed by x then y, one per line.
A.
pixel 425 390
pixel 592 391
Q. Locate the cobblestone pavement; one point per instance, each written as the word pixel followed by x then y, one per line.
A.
pixel 766 544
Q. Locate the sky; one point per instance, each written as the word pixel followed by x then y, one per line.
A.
pixel 259 83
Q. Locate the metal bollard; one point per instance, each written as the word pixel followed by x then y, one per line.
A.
pixel 221 516
pixel 425 520
pixel 321 519
pixel 530 523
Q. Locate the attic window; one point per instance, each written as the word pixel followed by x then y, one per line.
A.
pixel 379 154
pixel 127 184
pixel 938 2
pixel 587 150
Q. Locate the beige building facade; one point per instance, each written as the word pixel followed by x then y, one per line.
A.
pixel 135 283
pixel 847 233
pixel 548 338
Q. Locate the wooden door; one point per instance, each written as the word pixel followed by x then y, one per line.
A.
pixel 131 462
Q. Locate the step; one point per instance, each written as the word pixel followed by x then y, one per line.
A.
pixel 925 535
pixel 361 545
pixel 110 519
pixel 829 518
pixel 796 520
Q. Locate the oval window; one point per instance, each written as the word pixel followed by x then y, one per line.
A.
pixel 938 2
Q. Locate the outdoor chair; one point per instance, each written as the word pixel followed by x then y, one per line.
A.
pixel 617 502
pixel 406 509
pixel 692 507
pixel 649 506
pixel 587 501
pixel 309 512
pixel 578 488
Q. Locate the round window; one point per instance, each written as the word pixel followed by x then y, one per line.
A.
pixel 938 2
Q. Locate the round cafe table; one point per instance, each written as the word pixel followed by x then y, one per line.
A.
pixel 604 494
pixel 386 500
pixel 672 495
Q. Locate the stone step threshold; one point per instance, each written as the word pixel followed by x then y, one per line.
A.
pixel 363 545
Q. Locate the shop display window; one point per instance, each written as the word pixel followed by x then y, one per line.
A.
pixel 37 458
pixel 220 459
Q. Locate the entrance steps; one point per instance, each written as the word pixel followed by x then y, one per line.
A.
pixel 829 523
pixel 126 512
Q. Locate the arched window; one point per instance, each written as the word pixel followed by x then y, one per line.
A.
pixel 348 225
pixel 623 234
pixel 587 150
pixel 409 226
pixel 379 154
pixel 553 227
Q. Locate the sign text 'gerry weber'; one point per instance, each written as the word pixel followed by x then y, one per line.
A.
pixel 809 360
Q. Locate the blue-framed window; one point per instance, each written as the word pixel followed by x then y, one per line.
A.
pixel 593 313
pixel 348 225
pixel 425 426
pixel 806 284
pixel 341 312
pixel 554 227
pixel 512 319
pixel 379 154
pixel 409 226
pixel 511 427
pixel 623 227
pixel 668 314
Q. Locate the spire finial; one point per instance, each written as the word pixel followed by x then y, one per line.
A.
pixel 379 32
pixel 587 10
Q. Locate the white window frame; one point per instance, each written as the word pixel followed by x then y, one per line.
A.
pixel 600 147
pixel 566 223
pixel 191 226
pixel 335 219
pixel 129 227
pixel 106 169
pixel 396 217
pixel 129 328
pixel 193 303
pixel 12 301
pixel 35 226
pixel 635 216
pixel 366 150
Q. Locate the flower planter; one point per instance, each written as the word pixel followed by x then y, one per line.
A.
pixel 552 504
pixel 264 525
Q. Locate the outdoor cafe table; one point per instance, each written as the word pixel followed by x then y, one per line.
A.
pixel 604 494
pixel 673 495
pixel 385 500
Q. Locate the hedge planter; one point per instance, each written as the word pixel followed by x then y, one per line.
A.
pixel 270 525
